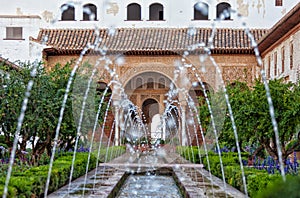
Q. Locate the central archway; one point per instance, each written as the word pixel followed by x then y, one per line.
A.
pixel 148 85
pixel 148 91
pixel 151 115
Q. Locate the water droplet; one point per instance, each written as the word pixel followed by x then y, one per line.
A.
pixel 259 61
pixel 86 11
pixel 202 57
pixel 111 31
pixel 253 43
pixel 191 31
pixel 195 84
pixel 92 17
pixel 202 7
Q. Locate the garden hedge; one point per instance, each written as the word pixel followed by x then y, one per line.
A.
pixel 31 183
pixel 257 180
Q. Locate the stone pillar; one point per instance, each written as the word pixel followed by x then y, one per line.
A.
pixel 163 136
pixel 183 85
pixel 117 124
pixel 116 98
pixel 183 126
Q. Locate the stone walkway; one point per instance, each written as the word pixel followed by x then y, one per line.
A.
pixel 192 179
pixel 101 184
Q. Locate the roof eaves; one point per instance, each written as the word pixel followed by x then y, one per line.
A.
pixel 283 26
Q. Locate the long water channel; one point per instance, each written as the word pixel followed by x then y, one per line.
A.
pixel 149 186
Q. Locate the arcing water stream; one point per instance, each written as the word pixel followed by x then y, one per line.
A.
pixel 119 100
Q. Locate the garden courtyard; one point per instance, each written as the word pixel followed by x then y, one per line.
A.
pixel 173 106
pixel 216 168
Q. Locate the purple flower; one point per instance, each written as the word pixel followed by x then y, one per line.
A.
pixel 24 152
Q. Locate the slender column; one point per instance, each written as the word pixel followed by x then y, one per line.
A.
pixel 183 126
pixel 117 132
pixel 163 129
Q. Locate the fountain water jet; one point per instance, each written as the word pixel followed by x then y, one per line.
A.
pixel 118 119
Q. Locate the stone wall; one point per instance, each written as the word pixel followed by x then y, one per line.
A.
pixel 280 54
pixel 233 67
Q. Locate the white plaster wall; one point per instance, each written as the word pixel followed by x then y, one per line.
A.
pixel 292 73
pixel 177 13
pixel 18 49
pixel 113 13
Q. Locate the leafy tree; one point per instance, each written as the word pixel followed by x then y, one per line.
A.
pixel 253 121
pixel 43 107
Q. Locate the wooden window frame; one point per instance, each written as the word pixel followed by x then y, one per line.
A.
pixel 14 33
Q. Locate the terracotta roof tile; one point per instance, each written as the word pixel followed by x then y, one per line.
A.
pixel 144 40
pixel 9 63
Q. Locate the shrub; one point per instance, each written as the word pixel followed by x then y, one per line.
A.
pixel 279 188
pixel 256 179
pixel 31 182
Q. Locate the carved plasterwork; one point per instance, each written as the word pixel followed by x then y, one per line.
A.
pixel 133 99
pixel 104 76
pixel 233 73
pixel 155 96
pixel 129 72
pixel 207 75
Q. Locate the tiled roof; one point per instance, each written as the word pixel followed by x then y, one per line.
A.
pixel 147 40
pixel 6 62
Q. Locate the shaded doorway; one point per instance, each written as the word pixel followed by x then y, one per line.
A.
pixel 150 107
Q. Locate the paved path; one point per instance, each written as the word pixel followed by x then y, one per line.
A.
pixel 193 180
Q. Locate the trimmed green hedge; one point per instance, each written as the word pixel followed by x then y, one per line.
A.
pixel 31 183
pixel 279 188
pixel 257 180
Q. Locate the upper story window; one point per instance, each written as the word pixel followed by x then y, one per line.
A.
pixel 275 64
pixel 156 12
pixel 89 12
pixel 282 59
pixel 14 33
pixel 162 83
pixel 68 12
pixel 139 83
pixel 150 83
pixel 269 67
pixel 291 54
pixel 278 2
pixel 223 9
pixel 201 11
pixel 134 12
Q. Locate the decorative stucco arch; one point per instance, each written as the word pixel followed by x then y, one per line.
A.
pixel 139 68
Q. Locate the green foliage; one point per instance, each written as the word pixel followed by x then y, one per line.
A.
pixel 190 153
pixel 279 188
pixel 42 111
pixel 109 153
pixel 29 181
pixel 257 180
pixel 32 181
pixel 43 108
pixel 252 116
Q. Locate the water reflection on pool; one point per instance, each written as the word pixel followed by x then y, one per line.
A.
pixel 149 186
